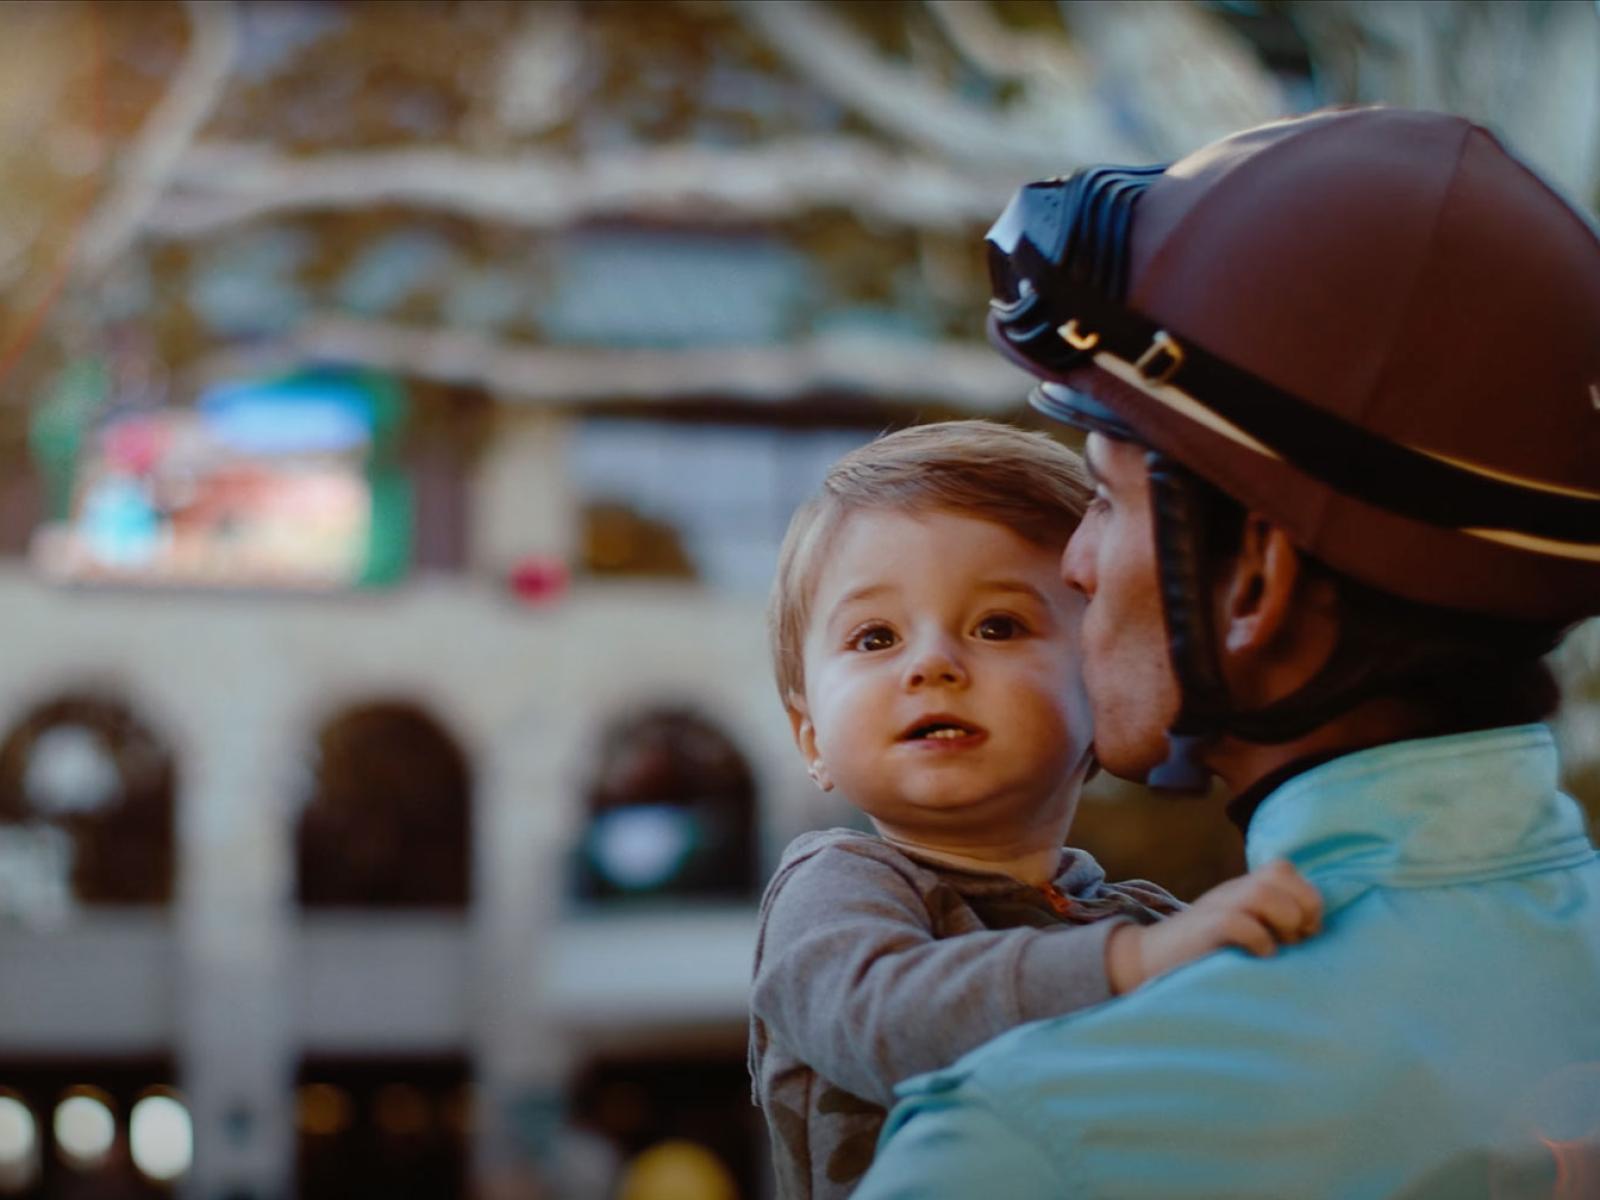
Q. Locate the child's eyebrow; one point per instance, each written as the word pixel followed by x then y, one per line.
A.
pixel 865 592
pixel 1016 586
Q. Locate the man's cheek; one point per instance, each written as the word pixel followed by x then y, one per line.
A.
pixel 1096 630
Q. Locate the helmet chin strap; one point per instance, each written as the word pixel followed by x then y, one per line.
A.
pixel 1184 564
pixel 1181 561
pixel 1181 770
pixel 1179 509
pixel 1359 668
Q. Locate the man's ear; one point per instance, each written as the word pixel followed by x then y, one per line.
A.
pixel 805 740
pixel 1259 595
pixel 1278 620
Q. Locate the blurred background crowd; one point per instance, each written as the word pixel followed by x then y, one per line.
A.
pixel 400 407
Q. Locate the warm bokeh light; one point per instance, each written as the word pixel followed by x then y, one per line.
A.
pixel 457 1110
pixel 400 1110
pixel 161 1136
pixel 677 1169
pixel 19 1145
pixel 85 1128
pixel 324 1110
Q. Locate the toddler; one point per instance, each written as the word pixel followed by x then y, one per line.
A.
pixel 924 645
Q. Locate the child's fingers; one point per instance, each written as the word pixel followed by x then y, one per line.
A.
pixel 1243 930
pixel 1280 875
pixel 1285 876
pixel 1279 909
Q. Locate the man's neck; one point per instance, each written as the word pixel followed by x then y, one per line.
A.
pixel 1242 765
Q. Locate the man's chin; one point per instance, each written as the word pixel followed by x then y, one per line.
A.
pixel 1131 762
pixel 1169 766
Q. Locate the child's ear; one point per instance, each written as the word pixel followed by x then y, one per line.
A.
pixel 805 740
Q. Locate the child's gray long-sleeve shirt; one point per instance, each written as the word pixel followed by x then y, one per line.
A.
pixel 873 966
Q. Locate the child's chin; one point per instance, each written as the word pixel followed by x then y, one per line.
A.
pixel 951 802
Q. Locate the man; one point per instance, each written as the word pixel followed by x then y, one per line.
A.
pixel 1341 377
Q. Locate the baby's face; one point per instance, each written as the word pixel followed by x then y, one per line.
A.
pixel 942 695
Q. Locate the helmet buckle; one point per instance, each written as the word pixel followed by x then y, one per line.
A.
pixel 1077 339
pixel 1151 364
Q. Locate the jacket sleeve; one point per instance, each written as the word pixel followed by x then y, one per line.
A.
pixel 955 1150
pixel 851 980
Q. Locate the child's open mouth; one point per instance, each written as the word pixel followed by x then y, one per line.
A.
pixel 941 730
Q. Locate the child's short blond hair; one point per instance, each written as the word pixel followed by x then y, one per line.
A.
pixel 1024 481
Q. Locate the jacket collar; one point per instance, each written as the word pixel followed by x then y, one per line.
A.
pixel 1455 809
pixel 1077 873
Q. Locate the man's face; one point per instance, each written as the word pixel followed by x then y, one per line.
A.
pixel 1111 559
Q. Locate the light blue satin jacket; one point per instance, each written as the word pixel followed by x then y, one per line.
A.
pixel 1441 1038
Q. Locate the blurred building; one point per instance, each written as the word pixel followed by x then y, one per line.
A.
pixel 403 404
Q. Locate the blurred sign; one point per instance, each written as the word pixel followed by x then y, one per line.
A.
pixel 281 483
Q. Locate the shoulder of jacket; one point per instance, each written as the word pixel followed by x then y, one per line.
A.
pixel 1224 999
pixel 844 850
pixel 837 843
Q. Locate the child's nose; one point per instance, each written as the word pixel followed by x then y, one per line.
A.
pixel 935 664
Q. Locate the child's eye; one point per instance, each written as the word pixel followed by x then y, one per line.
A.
pixel 872 637
pixel 999 628
pixel 1098 502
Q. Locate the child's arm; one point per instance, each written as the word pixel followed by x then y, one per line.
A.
pixel 850 978
pixel 1272 905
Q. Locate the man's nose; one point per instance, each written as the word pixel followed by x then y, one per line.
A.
pixel 936 663
pixel 1077 562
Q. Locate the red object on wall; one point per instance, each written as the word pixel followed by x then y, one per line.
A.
pixel 539 579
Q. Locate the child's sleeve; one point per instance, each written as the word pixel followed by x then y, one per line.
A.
pixel 850 979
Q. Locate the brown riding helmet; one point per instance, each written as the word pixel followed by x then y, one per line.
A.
pixel 1376 327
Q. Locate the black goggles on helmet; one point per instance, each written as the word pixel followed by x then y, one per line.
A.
pixel 1065 232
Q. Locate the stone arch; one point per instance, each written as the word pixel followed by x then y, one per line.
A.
pixel 670 809
pixel 86 770
pixel 389 820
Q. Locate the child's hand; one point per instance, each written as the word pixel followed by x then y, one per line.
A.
pixel 1256 912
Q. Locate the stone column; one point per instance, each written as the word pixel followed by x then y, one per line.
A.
pixel 236 870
